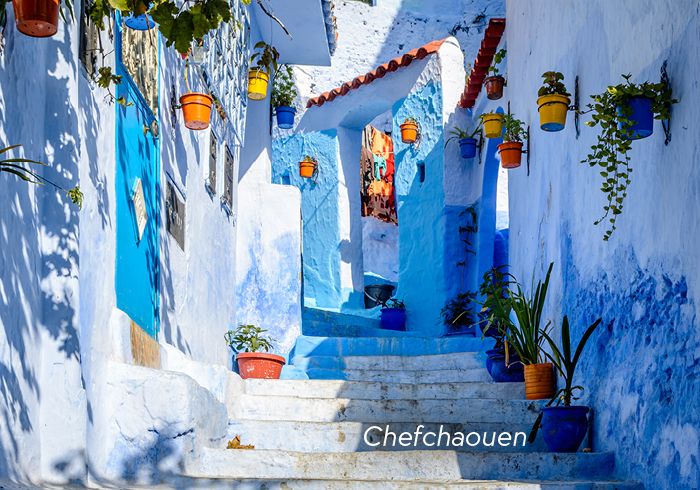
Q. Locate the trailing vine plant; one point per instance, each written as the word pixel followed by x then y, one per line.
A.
pixel 611 112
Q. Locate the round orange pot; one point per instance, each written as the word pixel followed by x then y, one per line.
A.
pixel 307 168
pixel 511 154
pixel 539 381
pixel 196 108
pixel 494 87
pixel 409 132
pixel 36 18
pixel 259 365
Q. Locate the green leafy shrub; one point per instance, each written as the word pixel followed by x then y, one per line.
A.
pixel 284 91
pixel 553 83
pixel 248 338
pixel 514 129
pixel 264 58
pixel 497 59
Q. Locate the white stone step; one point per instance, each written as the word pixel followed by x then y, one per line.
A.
pixel 441 376
pixel 254 407
pixel 359 436
pixel 459 360
pixel 382 391
pixel 398 465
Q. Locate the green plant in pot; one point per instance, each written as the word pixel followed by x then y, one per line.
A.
pixel 263 63
pixel 495 82
pixel 624 113
pixel 466 139
pixel 284 93
pixel 564 426
pixel 252 346
pixel 511 150
pixel 459 313
pixel 553 101
pixel 393 316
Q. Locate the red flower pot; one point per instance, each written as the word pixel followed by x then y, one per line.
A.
pixel 259 365
pixel 494 87
pixel 36 18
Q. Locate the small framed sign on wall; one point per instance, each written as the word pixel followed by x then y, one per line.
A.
pixel 140 212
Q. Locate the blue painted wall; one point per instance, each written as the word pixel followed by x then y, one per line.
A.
pixel 319 209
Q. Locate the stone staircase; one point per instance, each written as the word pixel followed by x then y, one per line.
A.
pixel 327 431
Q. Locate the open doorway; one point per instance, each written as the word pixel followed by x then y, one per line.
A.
pixel 380 234
pixel 500 241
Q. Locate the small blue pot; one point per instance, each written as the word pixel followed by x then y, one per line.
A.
pixel 641 115
pixel 496 366
pixel 141 22
pixel 285 116
pixel 393 319
pixel 563 428
pixel 467 147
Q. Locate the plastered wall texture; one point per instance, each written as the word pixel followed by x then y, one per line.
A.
pixel 641 369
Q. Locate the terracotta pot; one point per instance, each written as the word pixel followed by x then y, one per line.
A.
pixel 259 365
pixel 409 132
pixel 307 168
pixel 494 87
pixel 539 381
pixel 511 154
pixel 196 109
pixel 36 18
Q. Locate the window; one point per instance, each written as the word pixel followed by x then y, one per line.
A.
pixel 227 198
pixel 89 42
pixel 213 153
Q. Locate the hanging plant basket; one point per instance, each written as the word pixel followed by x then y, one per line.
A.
pixel 308 167
pixel 494 87
pixel 285 116
pixel 409 131
pixel 36 18
pixel 641 116
pixel 257 84
pixel 467 147
pixel 259 365
pixel 539 381
pixel 493 125
pixel 511 154
pixel 553 109
pixel 196 109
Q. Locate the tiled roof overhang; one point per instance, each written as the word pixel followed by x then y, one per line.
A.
pixel 492 37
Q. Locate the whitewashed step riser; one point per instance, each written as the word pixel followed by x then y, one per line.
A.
pixel 250 407
pixel 461 360
pixel 350 436
pixel 448 376
pixel 383 391
pixel 399 465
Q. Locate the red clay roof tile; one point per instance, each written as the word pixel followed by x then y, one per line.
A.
pixel 492 37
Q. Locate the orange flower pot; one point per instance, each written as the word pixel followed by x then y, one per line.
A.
pixel 196 108
pixel 539 381
pixel 409 132
pixel 307 168
pixel 511 154
pixel 494 87
pixel 36 18
pixel 259 365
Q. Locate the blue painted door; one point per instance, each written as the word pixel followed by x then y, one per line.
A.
pixel 138 165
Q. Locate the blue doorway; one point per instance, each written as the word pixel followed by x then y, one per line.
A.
pixel 137 275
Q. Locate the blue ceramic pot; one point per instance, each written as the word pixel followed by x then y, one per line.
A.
pixel 467 147
pixel 496 366
pixel 285 116
pixel 393 319
pixel 141 22
pixel 563 428
pixel 641 116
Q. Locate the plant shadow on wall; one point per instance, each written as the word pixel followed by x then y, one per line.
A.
pixel 39 258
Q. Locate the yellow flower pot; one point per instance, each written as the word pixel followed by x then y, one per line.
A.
pixel 553 109
pixel 493 125
pixel 257 84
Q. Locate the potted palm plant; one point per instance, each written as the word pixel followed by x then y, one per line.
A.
pixel 495 82
pixel 409 130
pixel 493 124
pixel 467 141
pixel 393 315
pixel 527 338
pixel 248 342
pixel 564 426
pixel 553 101
pixel 265 59
pixel 511 150
pixel 284 93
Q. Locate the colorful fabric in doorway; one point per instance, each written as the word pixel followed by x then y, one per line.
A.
pixel 377 166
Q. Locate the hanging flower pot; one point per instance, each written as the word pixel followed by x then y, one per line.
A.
pixel 467 147
pixel 259 365
pixel 409 131
pixel 307 167
pixel 641 116
pixel 257 84
pixel 143 22
pixel 493 124
pixel 494 87
pixel 564 428
pixel 539 381
pixel 36 18
pixel 511 154
pixel 553 109
pixel 285 116
pixel 196 108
